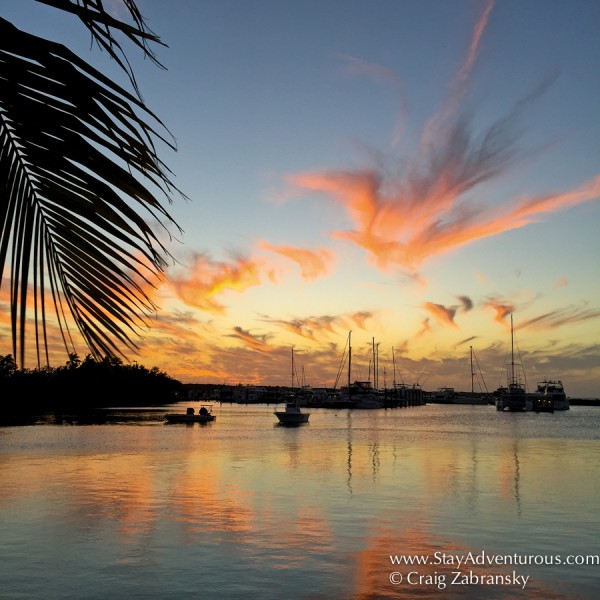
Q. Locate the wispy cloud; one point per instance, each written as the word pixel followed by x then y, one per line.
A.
pixel 443 314
pixel 459 84
pixel 465 341
pixel 313 263
pixel 426 214
pixel 425 327
pixel 381 74
pixel 208 279
pixel 258 343
pixel 501 308
pixel 559 317
pixel 433 204
pixel 322 328
pixel 562 282
pixel 466 302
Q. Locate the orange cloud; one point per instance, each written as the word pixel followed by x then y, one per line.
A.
pixel 255 343
pixel 425 328
pixel 444 315
pixel 428 208
pixel 501 308
pixel 361 318
pixel 310 328
pixel 313 263
pixel 420 219
pixel 313 328
pixel 210 278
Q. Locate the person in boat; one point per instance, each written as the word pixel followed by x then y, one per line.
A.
pixel 203 411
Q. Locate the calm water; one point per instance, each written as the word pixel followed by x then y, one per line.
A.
pixel 243 508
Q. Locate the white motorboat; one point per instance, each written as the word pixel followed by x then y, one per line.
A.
pixel 550 395
pixel 292 415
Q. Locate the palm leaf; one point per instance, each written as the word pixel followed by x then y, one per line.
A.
pixel 101 25
pixel 74 208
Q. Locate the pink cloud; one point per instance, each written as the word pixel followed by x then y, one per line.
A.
pixel 313 263
pixel 432 205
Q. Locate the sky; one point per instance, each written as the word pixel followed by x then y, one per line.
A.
pixel 413 171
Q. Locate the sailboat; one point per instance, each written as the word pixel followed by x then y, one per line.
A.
pixel 473 397
pixel 361 394
pixel 514 397
pixel 292 415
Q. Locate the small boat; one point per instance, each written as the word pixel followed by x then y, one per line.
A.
pixel 292 415
pixel 204 415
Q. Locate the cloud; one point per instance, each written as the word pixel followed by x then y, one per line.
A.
pixel 559 317
pixel 501 308
pixel 425 328
pixel 380 74
pixel 320 328
pixel 360 318
pixel 465 341
pixel 432 203
pixel 442 314
pixel 467 303
pixel 459 84
pixel 445 315
pixel 313 263
pixel 562 282
pixel 251 341
pixel 428 214
pixel 208 279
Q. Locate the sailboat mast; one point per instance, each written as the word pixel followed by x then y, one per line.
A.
pixel 374 364
pixel 512 351
pixel 471 349
pixel 292 368
pixel 377 366
pixel 349 360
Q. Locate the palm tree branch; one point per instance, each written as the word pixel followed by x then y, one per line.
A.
pixel 73 151
pixel 101 25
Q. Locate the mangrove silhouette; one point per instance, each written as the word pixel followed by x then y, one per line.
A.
pixel 82 385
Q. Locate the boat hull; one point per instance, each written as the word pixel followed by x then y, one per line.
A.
pixel 176 418
pixel 550 394
pixel 292 415
pixel 287 419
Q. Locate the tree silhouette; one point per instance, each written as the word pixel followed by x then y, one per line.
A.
pixel 79 179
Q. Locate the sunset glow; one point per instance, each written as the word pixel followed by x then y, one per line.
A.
pixel 416 185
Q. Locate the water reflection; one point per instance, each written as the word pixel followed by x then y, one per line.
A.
pixel 314 512
pixel 517 477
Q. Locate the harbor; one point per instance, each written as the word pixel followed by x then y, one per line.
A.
pixel 136 507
